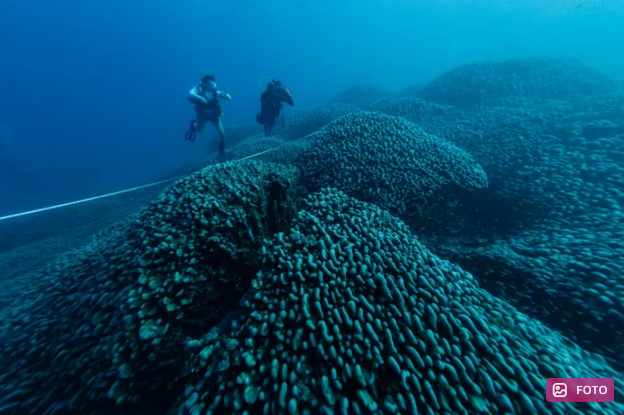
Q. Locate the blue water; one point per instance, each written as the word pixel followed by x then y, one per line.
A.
pixel 92 94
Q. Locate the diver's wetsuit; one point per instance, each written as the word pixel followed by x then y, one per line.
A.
pixel 271 101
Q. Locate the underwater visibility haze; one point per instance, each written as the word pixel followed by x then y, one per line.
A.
pixel 288 207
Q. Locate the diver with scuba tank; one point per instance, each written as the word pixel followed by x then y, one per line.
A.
pixel 206 98
pixel 271 102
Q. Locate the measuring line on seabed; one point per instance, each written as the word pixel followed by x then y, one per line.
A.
pixel 144 186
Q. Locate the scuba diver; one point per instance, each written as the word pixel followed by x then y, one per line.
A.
pixel 271 102
pixel 206 98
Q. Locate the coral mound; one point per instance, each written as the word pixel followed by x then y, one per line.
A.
pixel 490 83
pixel 557 250
pixel 108 324
pixel 389 161
pixel 351 315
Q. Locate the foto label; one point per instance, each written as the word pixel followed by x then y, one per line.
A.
pixel 580 390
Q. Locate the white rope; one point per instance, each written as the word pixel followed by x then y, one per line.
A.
pixel 141 187
pixel 85 200
pixel 376 102
pixel 275 148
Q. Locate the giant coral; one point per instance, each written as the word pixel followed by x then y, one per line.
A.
pixel 352 315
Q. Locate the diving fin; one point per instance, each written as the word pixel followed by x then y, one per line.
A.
pixel 191 133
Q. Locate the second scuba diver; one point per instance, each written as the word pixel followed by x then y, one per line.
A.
pixel 206 98
pixel 271 102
